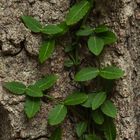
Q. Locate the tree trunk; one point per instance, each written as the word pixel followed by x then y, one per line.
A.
pixel 19 61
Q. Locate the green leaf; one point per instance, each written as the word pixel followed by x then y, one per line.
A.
pixel 81 128
pixel 46 82
pixel 98 117
pixel 111 73
pixel 109 109
pixel 57 134
pixel 98 100
pixel 32 24
pixel 109 129
pixel 75 98
pixel 101 29
pixel 34 91
pixel 95 45
pixel 32 106
pixel 52 30
pixel 84 32
pixel 92 137
pixel 46 50
pixel 108 37
pixel 68 63
pixel 57 114
pixel 15 87
pixel 77 12
pixel 86 74
pixel 88 102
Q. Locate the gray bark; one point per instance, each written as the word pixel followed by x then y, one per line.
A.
pixel 122 15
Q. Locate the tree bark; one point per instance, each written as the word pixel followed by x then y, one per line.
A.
pixel 19 61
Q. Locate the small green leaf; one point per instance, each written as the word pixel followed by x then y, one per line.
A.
pixel 75 98
pixel 57 134
pixel 46 82
pixel 46 50
pixel 15 87
pixel 101 29
pixel 111 73
pixel 98 117
pixel 109 129
pixel 84 32
pixel 52 30
pixel 92 137
pixel 34 91
pixel 88 102
pixel 57 114
pixel 95 45
pixel 32 24
pixel 81 128
pixel 68 63
pixel 77 12
pixel 32 106
pixel 86 74
pixel 109 109
pixel 98 100
pixel 108 37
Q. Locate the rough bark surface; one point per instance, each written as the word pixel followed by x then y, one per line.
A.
pixel 18 61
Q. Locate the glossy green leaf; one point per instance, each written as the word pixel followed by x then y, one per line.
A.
pixel 32 106
pixel 75 98
pixel 46 50
pixel 34 91
pixel 101 29
pixel 109 109
pixel 108 37
pixel 32 24
pixel 109 129
pixel 86 74
pixel 88 102
pixel 81 128
pixel 46 82
pixel 15 87
pixel 98 117
pixel 52 29
pixel 57 134
pixel 77 12
pixel 111 73
pixel 98 100
pixel 84 32
pixel 95 45
pixel 57 114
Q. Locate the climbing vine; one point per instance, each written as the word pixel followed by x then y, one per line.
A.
pixel 93 110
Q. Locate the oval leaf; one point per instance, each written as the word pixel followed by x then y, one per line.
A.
pixel 86 74
pixel 75 98
pixel 57 114
pixel 98 100
pixel 57 134
pixel 81 128
pixel 77 12
pixel 46 82
pixel 34 91
pixel 32 24
pixel 95 45
pixel 15 87
pixel 109 109
pixel 98 117
pixel 32 106
pixel 84 32
pixel 52 30
pixel 111 73
pixel 46 50
pixel 108 37
pixel 101 29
